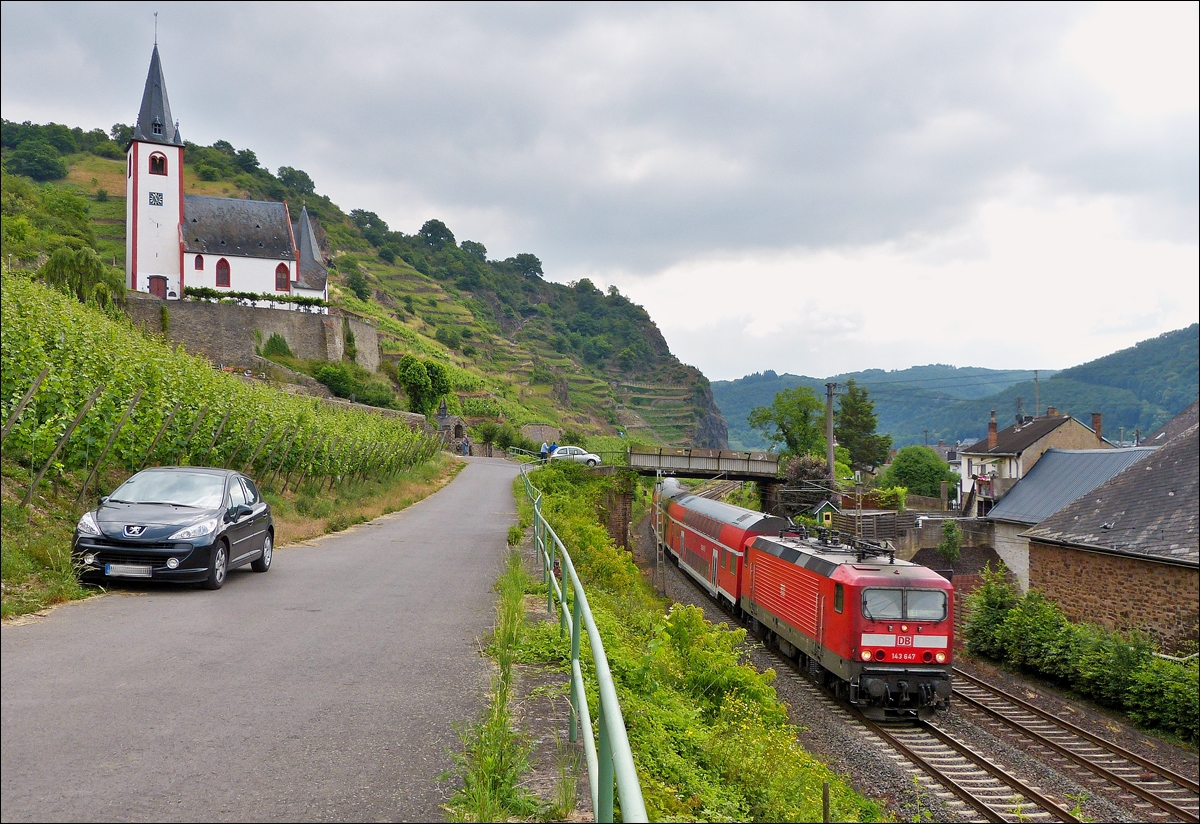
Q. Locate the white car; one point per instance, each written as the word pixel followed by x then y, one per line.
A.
pixel 575 453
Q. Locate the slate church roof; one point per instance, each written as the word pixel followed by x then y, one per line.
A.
pixel 242 228
pixel 1150 510
pixel 154 123
pixel 1060 477
pixel 312 271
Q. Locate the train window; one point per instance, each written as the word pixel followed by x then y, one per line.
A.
pixel 839 597
pixel 925 604
pixel 883 604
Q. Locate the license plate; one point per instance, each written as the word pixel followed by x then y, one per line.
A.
pixel 127 570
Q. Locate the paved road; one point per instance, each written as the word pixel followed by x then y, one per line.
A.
pixel 325 689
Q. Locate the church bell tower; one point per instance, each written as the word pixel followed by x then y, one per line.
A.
pixel 154 194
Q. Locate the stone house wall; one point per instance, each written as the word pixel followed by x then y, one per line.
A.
pixel 1118 592
pixel 224 333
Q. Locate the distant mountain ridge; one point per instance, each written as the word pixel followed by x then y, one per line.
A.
pixel 1138 388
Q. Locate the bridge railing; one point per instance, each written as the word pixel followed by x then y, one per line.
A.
pixel 611 756
pixel 666 459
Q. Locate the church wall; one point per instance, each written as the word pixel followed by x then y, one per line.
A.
pixel 225 333
pixel 155 207
pixel 246 274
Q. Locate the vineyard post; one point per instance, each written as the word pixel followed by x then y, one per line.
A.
pixel 274 451
pixel 200 416
pixel 216 435
pixel 286 452
pixel 250 463
pixel 161 430
pixel 304 472
pixel 300 461
pixel 16 413
pixel 238 447
pixel 331 463
pixel 111 440
pixel 61 442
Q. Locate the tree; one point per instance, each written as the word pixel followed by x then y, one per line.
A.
pixel 36 159
pixel 297 180
pixel 246 160
pixel 121 134
pixel 793 419
pixel 919 470
pixel 528 265
pixel 411 374
pixel 357 282
pixel 439 380
pixel 799 468
pixel 854 425
pixel 474 250
pixel 81 273
pixel 950 547
pixel 436 235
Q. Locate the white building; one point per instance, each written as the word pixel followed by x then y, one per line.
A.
pixel 174 240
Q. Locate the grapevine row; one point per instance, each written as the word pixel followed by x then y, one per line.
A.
pixel 159 405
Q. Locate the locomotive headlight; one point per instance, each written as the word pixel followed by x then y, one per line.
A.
pixel 866 655
pixel 904 627
pixel 940 657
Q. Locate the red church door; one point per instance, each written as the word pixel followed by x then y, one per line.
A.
pixel 158 286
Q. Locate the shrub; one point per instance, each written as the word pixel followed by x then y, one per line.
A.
pixel 1163 694
pixel 448 336
pixel 276 345
pixel 387 254
pixel 38 160
pixel 1031 635
pixel 987 607
pixel 572 438
pixel 1106 662
pixel 950 547
pixel 102 195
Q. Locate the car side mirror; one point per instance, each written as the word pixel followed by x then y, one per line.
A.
pixel 103 500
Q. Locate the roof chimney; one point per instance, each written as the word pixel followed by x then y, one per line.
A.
pixel 1098 426
pixel 1051 411
pixel 992 436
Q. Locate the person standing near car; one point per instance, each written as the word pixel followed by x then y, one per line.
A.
pixel 553 447
pixel 545 451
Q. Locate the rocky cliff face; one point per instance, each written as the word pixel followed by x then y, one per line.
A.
pixel 711 431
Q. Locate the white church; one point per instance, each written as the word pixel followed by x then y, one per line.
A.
pixel 173 240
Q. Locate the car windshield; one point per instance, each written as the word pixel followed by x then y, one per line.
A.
pixel 883 604
pixel 195 489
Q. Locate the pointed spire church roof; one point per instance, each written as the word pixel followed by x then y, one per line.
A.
pixel 154 123
pixel 311 264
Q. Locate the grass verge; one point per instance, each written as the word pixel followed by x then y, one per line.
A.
pixel 495 755
pixel 35 543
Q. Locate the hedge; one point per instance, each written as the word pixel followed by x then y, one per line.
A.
pixel 1115 669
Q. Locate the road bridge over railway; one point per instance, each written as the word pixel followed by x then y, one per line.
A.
pixel 705 463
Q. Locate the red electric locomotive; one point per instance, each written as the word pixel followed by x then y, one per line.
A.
pixel 878 630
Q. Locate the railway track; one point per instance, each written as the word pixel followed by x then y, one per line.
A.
pixel 1153 789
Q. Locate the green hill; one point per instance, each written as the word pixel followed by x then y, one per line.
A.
pixel 521 348
pixel 899 395
pixel 1138 388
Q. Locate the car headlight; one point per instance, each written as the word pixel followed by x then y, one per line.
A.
pixel 195 530
pixel 87 525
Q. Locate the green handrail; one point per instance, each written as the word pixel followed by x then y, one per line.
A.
pixel 614 759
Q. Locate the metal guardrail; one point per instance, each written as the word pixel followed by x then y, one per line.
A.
pixel 613 759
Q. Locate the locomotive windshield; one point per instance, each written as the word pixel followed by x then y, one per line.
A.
pixel 904 604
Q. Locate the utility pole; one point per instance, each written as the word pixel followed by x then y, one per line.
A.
pixel 1036 398
pixel 927 437
pixel 829 453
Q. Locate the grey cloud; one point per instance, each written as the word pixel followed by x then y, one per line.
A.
pixel 624 136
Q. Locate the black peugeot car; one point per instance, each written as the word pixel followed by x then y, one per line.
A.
pixel 182 524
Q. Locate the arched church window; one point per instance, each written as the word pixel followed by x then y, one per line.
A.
pixel 222 272
pixel 199 263
pixel 281 277
pixel 158 163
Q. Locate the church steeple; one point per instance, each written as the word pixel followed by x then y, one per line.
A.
pixel 154 123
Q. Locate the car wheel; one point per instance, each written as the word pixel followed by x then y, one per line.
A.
pixel 263 562
pixel 219 568
pixel 591 462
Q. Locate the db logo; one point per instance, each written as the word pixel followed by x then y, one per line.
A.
pixel 904 641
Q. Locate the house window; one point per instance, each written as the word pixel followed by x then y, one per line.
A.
pixel 199 263
pixel 158 163
pixel 281 278
pixel 222 272
pixel 129 165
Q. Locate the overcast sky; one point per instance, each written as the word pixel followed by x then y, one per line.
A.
pixel 804 188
